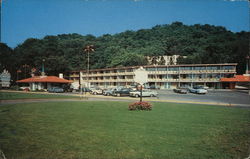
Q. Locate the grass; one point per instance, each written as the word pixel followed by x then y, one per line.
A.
pixel 107 130
pixel 30 95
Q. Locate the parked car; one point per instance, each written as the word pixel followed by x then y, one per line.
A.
pixel 203 87
pixel 55 90
pixel 96 91
pixel 24 88
pixel 109 91
pixel 122 92
pixel 145 93
pixel 85 89
pixel 198 90
pixel 181 90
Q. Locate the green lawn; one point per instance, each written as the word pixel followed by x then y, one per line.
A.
pixel 23 95
pixel 103 130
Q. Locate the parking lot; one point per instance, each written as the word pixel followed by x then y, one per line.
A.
pixel 213 97
pixel 225 97
pixel 235 97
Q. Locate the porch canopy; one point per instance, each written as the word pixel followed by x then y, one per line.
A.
pixel 44 79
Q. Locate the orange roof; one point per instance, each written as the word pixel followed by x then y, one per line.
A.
pixel 236 78
pixel 48 79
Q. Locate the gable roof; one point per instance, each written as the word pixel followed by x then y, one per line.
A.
pixel 43 79
pixel 236 78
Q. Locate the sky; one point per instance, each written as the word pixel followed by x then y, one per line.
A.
pixel 23 19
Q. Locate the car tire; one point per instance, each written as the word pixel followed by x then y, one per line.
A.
pixel 118 94
pixel 151 95
pixel 136 95
pixel 95 93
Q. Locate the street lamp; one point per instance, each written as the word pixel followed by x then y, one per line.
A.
pixel 88 49
pixel 25 69
pixel 43 73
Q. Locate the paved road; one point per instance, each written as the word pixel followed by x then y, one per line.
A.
pixel 213 96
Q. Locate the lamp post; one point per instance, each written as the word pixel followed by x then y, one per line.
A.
pixel 247 72
pixel 25 69
pixel 43 71
pixel 88 49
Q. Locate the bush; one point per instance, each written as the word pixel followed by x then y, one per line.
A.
pixel 14 87
pixel 140 106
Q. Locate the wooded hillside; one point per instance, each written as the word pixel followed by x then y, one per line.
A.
pixel 65 52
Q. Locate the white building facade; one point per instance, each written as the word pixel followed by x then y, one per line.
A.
pixel 159 76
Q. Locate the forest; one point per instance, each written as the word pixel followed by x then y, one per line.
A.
pixel 65 52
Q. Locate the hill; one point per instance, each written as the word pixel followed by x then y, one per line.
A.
pixel 65 52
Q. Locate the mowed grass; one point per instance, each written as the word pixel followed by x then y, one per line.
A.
pixel 107 130
pixel 30 95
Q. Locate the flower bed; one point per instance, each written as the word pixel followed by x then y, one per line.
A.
pixel 140 106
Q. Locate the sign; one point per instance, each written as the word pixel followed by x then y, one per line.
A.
pixel 5 79
pixel 141 76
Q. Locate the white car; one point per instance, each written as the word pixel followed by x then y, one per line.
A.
pixel 96 91
pixel 198 90
pixel 145 93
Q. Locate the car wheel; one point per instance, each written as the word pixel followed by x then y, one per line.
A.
pixel 151 95
pixel 95 93
pixel 136 95
pixel 118 95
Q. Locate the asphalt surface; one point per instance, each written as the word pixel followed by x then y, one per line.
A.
pixel 235 97
pixel 213 97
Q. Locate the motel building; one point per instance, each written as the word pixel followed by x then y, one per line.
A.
pixel 159 76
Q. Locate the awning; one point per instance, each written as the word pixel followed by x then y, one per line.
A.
pixel 236 78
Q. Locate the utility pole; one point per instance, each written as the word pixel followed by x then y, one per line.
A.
pixel 88 49
pixel 25 69
pixel 43 70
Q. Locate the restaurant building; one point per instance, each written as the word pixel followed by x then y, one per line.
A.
pixel 44 82
pixel 159 76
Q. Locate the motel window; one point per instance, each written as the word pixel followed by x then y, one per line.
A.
pixel 199 68
pixel 210 75
pixel 212 68
pixel 185 68
pixel 161 69
pixel 159 76
pixel 175 76
pixel 129 70
pixel 150 69
pixel 228 67
pixel 228 75
pixel 129 77
pixel 121 70
pixel 121 77
pixel 217 75
pixel 173 69
pixel 184 76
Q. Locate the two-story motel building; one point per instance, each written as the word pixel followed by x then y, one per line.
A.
pixel 159 76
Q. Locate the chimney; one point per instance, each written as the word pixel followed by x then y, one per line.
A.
pixel 60 75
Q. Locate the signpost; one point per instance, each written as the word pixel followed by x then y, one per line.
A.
pixel 5 79
pixel 141 77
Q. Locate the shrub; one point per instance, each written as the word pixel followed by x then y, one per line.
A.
pixel 140 106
